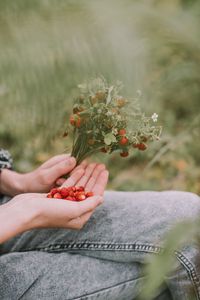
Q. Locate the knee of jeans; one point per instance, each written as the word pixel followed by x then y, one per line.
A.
pixel 183 204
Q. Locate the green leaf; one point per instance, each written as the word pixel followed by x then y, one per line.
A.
pixel 109 139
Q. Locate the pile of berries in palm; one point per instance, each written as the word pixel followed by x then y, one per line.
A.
pixel 73 193
pixel 105 121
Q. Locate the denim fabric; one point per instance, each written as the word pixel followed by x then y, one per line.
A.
pixel 103 260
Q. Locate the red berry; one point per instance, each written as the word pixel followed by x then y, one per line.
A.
pixel 72 121
pixel 57 196
pixel 124 154
pixel 123 141
pixel 54 191
pixel 80 189
pixel 103 150
pixel 71 193
pixel 80 197
pixel 64 192
pixel 142 147
pixel 122 131
pixel 89 194
pixel 49 195
pixel 135 145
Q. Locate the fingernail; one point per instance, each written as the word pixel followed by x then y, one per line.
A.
pixel 72 161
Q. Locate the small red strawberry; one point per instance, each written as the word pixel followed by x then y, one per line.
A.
pixel 142 147
pixel 80 189
pixel 57 196
pixel 80 197
pixel 89 194
pixel 123 141
pixel 54 191
pixel 122 131
pixel 124 154
pixel 64 192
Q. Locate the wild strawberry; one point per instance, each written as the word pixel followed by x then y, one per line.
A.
pixel 57 196
pixel 89 194
pixel 71 193
pixel 135 145
pixel 64 192
pixel 124 154
pixel 72 121
pixel 75 120
pixel 80 189
pixel 49 195
pixel 80 197
pixel 142 147
pixel 122 132
pixel 123 141
pixel 103 150
pixel 53 191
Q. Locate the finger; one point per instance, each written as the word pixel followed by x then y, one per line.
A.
pixel 74 178
pixel 88 172
pixel 79 222
pixel 95 175
pixel 54 160
pixel 60 181
pixel 101 183
pixel 58 170
pixel 88 205
pixel 83 165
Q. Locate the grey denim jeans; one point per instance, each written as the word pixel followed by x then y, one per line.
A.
pixel 104 259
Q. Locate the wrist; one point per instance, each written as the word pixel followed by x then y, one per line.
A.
pixel 11 183
pixel 15 219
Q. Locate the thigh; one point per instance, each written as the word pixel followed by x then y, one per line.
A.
pixel 40 275
pixel 127 222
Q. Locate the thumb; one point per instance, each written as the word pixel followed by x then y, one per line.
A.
pixel 60 169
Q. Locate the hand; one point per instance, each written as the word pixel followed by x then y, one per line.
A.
pixel 40 180
pixel 93 177
pixel 29 211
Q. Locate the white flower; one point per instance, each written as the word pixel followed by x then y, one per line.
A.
pixel 154 117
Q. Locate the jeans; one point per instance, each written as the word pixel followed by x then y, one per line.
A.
pixel 104 259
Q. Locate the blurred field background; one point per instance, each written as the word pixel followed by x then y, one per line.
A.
pixel 47 47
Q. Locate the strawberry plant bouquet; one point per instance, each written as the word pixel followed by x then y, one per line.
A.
pixel 105 121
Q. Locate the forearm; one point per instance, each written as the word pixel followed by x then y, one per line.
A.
pixel 11 183
pixel 13 221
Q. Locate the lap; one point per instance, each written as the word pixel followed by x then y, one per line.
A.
pixel 127 227
pixel 126 219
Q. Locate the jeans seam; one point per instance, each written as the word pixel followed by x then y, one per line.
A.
pixel 107 246
pixel 98 246
pixel 106 289
pixel 190 271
